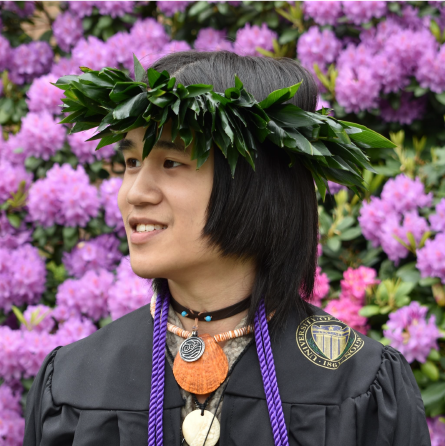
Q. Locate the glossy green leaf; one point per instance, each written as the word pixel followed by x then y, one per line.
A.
pixel 131 107
pixel 139 71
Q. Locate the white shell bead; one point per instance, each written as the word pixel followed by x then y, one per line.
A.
pixel 196 426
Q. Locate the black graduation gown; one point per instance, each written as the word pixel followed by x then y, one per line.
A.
pixel 96 392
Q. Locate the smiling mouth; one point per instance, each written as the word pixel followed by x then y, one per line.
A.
pixel 141 228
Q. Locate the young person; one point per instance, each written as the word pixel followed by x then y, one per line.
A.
pixel 225 252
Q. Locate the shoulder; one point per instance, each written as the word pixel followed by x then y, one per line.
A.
pixel 333 360
pixel 107 367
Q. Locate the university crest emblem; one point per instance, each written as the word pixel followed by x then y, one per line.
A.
pixel 327 342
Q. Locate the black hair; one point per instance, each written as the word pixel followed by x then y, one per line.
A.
pixel 269 215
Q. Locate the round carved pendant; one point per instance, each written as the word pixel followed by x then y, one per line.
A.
pixel 192 349
pixel 206 373
pixel 196 427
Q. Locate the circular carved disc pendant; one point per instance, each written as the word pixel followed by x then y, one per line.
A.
pixel 192 349
pixel 205 374
pixel 196 426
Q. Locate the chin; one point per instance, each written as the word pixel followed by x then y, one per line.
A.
pixel 146 269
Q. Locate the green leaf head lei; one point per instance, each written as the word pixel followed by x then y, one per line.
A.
pixel 235 121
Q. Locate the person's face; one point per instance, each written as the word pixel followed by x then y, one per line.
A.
pixel 165 187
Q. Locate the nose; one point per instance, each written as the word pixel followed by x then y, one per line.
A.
pixel 144 190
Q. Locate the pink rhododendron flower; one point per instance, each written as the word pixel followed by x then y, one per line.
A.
pixel 86 150
pixel 10 178
pixel 410 332
pixel 209 39
pixel 25 269
pixel 170 8
pixel 129 292
pixel 68 30
pixel 108 198
pixel 249 37
pixel 88 295
pixel 321 287
pixel 315 46
pixel 436 427
pixel 405 194
pixel 12 423
pixel 35 313
pixel 347 311
pixel 392 226
pixel 95 254
pixel 356 281
pixel 65 197
pixel 42 96
pixel 323 13
pixel 431 258
pixel 363 11
pixel 437 220
pixel 41 135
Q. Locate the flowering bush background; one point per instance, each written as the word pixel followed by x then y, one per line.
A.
pixel 64 266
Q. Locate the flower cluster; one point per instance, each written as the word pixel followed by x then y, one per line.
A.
pixel 170 8
pixel 29 61
pixel 437 220
pixel 11 237
pixel 23 351
pixel 249 37
pixel 112 8
pixel 41 135
pixel 129 292
pixel 68 30
pixel 87 295
pixel 320 47
pixel 12 424
pixel 86 150
pixel 384 60
pixel 38 318
pixel 209 39
pixel 11 176
pixel 411 333
pixel 352 297
pixel 95 254
pixel 108 199
pixel 436 427
pixel 321 287
pixel 64 197
pixel 431 258
pixel 394 215
pixel 25 269
pixel 42 96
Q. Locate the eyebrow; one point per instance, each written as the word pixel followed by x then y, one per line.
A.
pixel 128 144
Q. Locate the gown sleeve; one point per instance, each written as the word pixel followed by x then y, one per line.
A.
pixel 391 412
pixel 35 401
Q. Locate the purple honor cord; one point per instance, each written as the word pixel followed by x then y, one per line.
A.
pixel 267 365
pixel 155 432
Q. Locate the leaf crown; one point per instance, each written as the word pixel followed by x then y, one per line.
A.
pixel 234 121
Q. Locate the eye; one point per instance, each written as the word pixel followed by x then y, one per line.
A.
pixel 168 163
pixel 129 161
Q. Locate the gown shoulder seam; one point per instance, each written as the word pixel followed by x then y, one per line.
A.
pixel 385 349
pixel 51 363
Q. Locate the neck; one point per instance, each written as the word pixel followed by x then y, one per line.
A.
pixel 214 288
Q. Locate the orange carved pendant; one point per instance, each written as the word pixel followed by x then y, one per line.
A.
pixel 205 374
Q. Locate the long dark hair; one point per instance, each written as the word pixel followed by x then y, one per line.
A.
pixel 269 215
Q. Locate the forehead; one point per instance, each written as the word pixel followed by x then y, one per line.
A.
pixel 134 141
